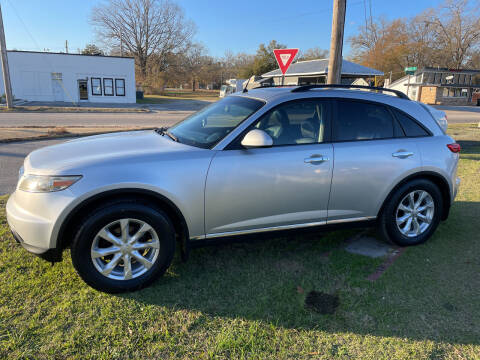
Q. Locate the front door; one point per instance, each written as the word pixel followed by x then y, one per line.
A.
pixel 284 186
pixel 57 88
pixel 83 89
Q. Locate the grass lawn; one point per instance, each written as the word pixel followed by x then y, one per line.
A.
pixel 247 300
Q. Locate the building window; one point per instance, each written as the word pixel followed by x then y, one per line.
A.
pixel 451 92
pixel 120 87
pixel 96 86
pixel 107 87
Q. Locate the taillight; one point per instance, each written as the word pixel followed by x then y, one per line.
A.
pixel 455 148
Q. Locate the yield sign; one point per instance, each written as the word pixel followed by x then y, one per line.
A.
pixel 284 58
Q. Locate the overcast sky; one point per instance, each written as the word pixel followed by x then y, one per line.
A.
pixel 221 24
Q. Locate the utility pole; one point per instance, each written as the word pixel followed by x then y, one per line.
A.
pixel 5 69
pixel 66 46
pixel 121 44
pixel 336 42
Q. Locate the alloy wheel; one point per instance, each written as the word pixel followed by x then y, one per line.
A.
pixel 125 249
pixel 415 213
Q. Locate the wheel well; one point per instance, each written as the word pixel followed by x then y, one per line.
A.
pixel 69 227
pixel 434 178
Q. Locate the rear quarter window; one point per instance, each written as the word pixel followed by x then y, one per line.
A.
pixel 411 127
pixel 359 120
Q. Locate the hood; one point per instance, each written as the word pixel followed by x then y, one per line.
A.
pixel 77 154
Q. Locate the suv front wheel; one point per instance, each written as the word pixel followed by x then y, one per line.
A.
pixel 123 246
pixel 412 213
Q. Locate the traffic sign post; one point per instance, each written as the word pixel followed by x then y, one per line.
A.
pixel 284 59
pixel 410 70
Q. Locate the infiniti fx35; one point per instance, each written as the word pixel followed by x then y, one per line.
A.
pixel 268 159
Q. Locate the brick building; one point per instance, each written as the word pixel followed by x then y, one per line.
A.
pixel 440 86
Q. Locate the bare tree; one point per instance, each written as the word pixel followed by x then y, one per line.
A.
pixel 143 28
pixel 456 29
pixel 448 36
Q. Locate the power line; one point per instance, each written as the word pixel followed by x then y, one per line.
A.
pixel 38 47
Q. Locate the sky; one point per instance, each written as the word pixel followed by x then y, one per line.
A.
pixel 235 25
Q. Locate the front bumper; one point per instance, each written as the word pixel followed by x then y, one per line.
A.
pixel 52 255
pixel 34 219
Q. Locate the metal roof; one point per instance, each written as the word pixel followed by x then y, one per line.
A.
pixel 439 69
pixel 320 67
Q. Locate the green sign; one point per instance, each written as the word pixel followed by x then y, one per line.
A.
pixel 410 70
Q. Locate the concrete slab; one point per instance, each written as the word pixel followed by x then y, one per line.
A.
pixel 369 246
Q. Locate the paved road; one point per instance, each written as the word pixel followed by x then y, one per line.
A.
pixel 461 114
pixel 164 114
pixel 151 119
pixel 11 158
pixel 11 155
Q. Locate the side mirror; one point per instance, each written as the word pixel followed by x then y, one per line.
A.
pixel 257 138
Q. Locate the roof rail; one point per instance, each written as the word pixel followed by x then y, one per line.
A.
pixel 342 86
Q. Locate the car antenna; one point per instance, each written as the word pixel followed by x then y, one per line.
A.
pixel 245 90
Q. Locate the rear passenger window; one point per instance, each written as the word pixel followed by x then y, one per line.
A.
pixel 362 121
pixel 410 126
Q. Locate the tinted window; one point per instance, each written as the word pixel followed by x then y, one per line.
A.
pixel 297 122
pixel 211 124
pixel 410 126
pixel 362 121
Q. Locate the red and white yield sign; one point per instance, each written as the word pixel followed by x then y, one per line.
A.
pixel 284 58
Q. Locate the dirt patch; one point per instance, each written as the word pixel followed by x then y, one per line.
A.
pixel 321 302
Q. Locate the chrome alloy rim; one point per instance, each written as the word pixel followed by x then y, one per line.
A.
pixel 125 249
pixel 415 213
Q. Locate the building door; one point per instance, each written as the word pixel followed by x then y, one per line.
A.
pixel 83 89
pixel 57 87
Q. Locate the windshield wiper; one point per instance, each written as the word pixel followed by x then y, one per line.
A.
pixel 163 131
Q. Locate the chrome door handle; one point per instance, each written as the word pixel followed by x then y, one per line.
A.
pixel 315 159
pixel 402 154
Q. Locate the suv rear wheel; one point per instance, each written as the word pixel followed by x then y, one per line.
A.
pixel 123 247
pixel 412 213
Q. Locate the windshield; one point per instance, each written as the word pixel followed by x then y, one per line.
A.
pixel 210 125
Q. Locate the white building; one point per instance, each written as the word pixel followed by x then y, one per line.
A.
pixel 73 78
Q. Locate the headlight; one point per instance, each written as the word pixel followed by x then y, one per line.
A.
pixel 45 183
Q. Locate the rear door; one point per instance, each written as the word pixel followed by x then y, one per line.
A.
pixel 286 185
pixel 372 154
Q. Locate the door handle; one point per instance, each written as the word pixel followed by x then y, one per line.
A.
pixel 315 159
pixel 402 154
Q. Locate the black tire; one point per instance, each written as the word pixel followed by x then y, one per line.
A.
pixel 387 220
pixel 99 218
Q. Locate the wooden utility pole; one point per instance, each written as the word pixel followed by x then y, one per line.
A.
pixel 5 69
pixel 336 42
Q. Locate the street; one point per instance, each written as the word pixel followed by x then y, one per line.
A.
pixel 150 119
pixel 461 114
pixel 11 158
pixel 12 154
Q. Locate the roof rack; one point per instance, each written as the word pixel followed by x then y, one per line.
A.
pixel 342 86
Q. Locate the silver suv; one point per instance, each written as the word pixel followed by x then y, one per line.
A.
pixel 268 159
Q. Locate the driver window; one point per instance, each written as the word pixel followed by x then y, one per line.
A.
pixel 296 122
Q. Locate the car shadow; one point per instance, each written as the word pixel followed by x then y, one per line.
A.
pixel 430 292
